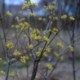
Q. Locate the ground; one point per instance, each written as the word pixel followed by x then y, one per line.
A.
pixel 63 72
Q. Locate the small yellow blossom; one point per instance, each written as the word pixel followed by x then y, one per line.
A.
pixel 45 54
pixel 49 66
pixel 63 16
pixel 56 54
pixel 50 7
pixel 1 59
pixel 2 72
pixel 32 35
pixel 28 5
pixel 45 39
pixel 17 26
pixel 8 13
pixel 23 59
pixel 31 46
pixel 31 14
pixel 16 52
pixel 54 30
pixel 40 18
pixel 60 45
pixel 37 38
pixel 14 35
pixel 71 48
pixel 24 36
pixel 38 53
pixel 9 44
pixel 72 18
pixel 12 74
pixel 48 49
pixel 35 34
pixel 22 26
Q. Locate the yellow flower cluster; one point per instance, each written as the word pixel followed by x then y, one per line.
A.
pixel 48 49
pixel 24 36
pixel 12 74
pixel 54 30
pixel 63 16
pixel 28 5
pixel 72 18
pixel 40 18
pixel 38 53
pixel 49 66
pixel 60 45
pixel 2 72
pixel 50 7
pixel 45 54
pixel 8 13
pixel 56 54
pixel 14 35
pixel 16 52
pixel 0 59
pixel 9 44
pixel 45 39
pixel 30 46
pixel 71 48
pixel 24 59
pixel 23 26
pixel 35 35
pixel 31 14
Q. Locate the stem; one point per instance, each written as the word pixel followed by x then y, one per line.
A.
pixel 7 73
pixel 34 70
pixel 73 54
pixel 73 65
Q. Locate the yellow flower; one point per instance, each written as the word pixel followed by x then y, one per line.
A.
pixel 12 74
pixel 56 54
pixel 45 39
pixel 48 49
pixel 63 16
pixel 17 26
pixel 16 52
pixel 45 54
pixel 9 44
pixel 1 59
pixel 8 13
pixel 49 66
pixel 38 53
pixel 32 35
pixel 2 72
pixel 14 35
pixel 35 34
pixel 37 38
pixel 72 18
pixel 23 59
pixel 24 26
pixel 36 31
pixel 31 46
pixel 24 36
pixel 31 14
pixel 50 7
pixel 60 45
pixel 54 30
pixel 40 18
pixel 71 48
pixel 28 5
